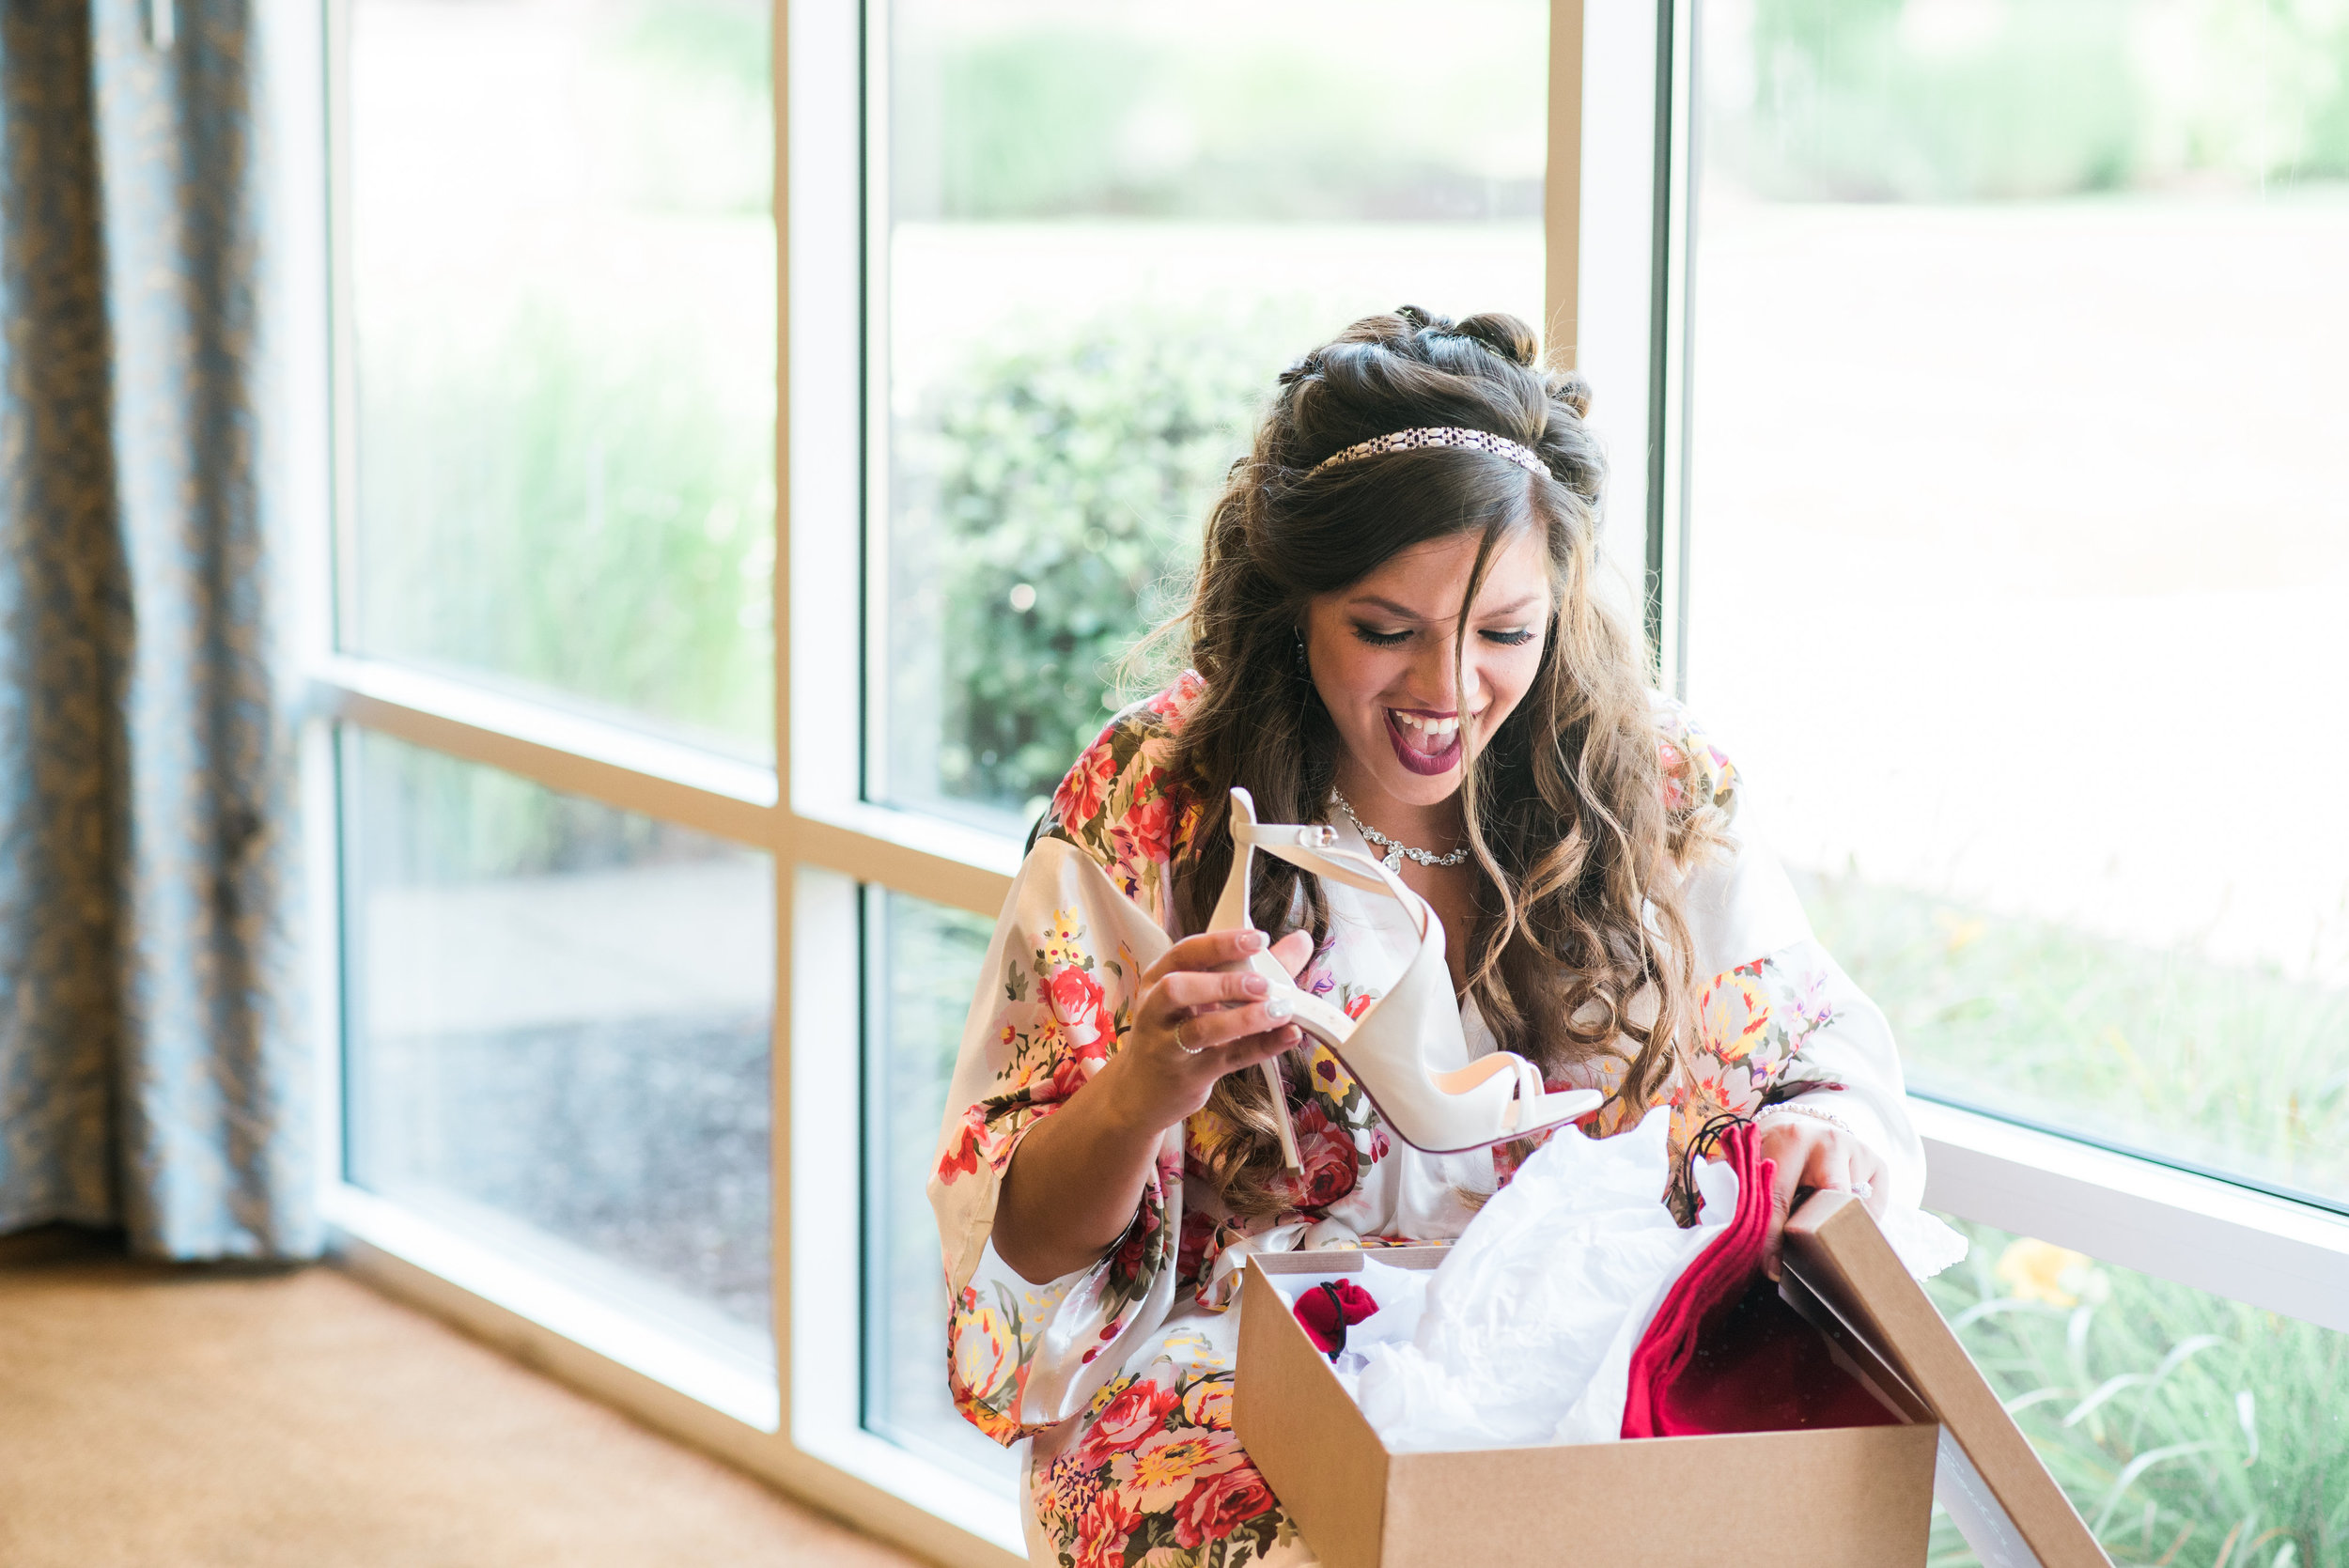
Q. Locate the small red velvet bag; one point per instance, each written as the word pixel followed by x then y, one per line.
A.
pixel 1724 1352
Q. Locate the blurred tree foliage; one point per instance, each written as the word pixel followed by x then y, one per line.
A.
pixel 1047 521
pixel 1294 114
pixel 1989 99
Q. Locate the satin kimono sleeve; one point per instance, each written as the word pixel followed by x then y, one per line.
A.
pixel 1085 920
pixel 1775 1010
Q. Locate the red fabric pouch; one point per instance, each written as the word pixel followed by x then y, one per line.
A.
pixel 1724 1352
pixel 1327 1312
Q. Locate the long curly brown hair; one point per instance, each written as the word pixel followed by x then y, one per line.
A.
pixel 1578 906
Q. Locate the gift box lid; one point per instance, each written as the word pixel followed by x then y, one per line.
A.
pixel 1845 1276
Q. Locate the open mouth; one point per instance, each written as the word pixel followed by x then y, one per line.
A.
pixel 1424 742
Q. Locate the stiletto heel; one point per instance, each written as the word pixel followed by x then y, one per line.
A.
pixel 1491 1100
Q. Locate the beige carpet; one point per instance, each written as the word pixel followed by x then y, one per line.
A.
pixel 188 1418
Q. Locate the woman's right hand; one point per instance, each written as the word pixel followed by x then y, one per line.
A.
pixel 1202 1015
pixel 1076 1178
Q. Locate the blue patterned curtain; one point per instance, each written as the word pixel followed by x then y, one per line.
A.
pixel 153 1073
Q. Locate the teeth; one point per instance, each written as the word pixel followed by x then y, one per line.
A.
pixel 1427 726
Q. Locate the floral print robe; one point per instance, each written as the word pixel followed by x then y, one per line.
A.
pixel 1120 1376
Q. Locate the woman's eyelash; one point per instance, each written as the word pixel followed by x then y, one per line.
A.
pixel 1389 639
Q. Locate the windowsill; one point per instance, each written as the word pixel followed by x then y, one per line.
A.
pixel 2179 1226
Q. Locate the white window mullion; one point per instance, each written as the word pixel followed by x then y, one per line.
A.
pixel 829 839
pixel 1614 269
pixel 945 863
pixel 1562 187
pixel 563 749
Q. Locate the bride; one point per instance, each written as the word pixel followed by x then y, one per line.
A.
pixel 1394 632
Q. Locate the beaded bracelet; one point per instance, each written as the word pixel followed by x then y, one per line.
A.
pixel 1788 1107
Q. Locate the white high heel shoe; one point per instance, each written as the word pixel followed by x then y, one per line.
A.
pixel 1491 1100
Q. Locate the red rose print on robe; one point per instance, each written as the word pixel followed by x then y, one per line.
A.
pixel 1146 832
pixel 1078 799
pixel 1079 1003
pixel 1133 1414
pixel 1173 703
pixel 962 1158
pixel 1101 1535
pixel 1327 1151
pixel 1072 1070
pixel 1125 1262
pixel 1218 1504
pixel 1674 768
pixel 1191 1256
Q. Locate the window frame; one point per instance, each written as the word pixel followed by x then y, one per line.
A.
pixel 1617 229
pixel 2238 1239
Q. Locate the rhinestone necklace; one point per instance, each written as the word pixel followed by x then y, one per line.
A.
pixel 1396 849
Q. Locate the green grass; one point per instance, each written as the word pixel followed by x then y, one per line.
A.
pixel 578 504
pixel 2244 1068
pixel 1890 101
pixel 2188 1429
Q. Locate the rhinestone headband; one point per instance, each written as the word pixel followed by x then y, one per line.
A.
pixel 1436 435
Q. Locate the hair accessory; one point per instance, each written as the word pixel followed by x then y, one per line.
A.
pixel 1436 435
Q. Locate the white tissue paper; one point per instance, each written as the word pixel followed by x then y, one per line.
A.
pixel 1524 1334
pixel 1924 1244
pixel 1530 1324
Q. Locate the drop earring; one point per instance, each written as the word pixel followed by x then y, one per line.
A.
pixel 1304 669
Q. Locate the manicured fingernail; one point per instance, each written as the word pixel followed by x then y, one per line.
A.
pixel 1251 942
pixel 1276 1009
pixel 1253 985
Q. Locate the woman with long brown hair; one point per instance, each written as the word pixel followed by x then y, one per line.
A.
pixel 1395 631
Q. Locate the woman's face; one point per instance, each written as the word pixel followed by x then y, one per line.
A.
pixel 1382 652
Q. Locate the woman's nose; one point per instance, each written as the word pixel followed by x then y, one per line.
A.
pixel 1436 678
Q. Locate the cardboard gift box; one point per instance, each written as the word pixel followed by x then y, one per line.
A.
pixel 1833 1497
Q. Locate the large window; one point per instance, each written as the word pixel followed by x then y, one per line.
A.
pixel 730 550
pixel 561 273
pixel 1102 231
pixel 558 1023
pixel 553 573
pixel 2003 523
pixel 923 961
pixel 2013 521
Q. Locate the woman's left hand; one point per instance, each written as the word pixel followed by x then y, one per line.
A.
pixel 1814 1154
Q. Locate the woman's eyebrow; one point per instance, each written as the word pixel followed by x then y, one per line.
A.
pixel 1405 612
pixel 1512 607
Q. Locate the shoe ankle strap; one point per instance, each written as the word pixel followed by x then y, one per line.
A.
pixel 1313 847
